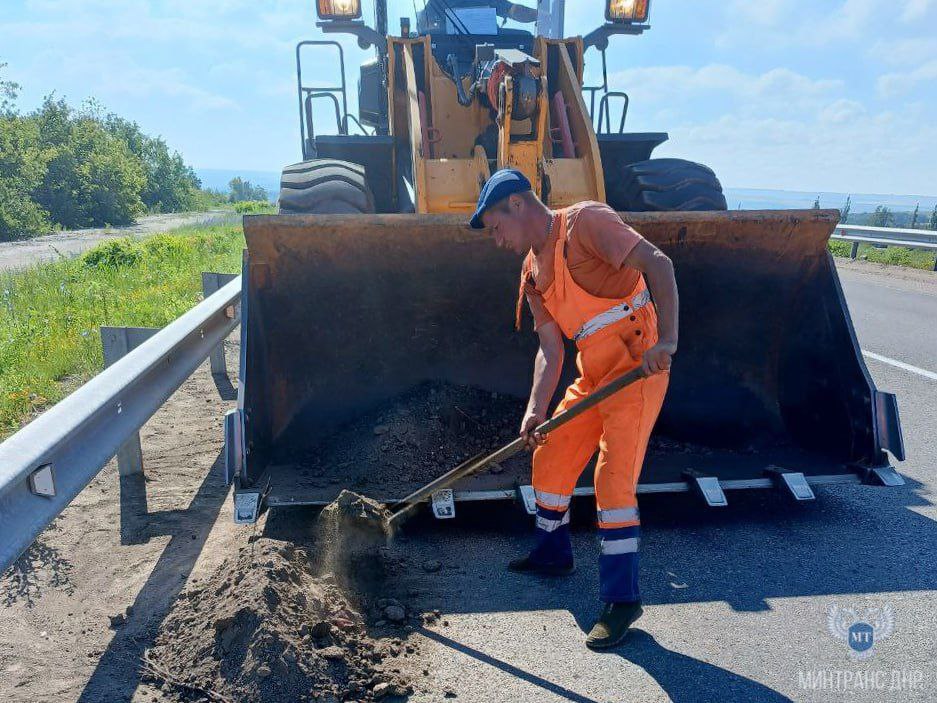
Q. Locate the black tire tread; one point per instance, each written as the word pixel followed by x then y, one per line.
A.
pixel 325 186
pixel 658 185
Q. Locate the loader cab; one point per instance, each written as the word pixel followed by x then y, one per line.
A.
pixel 469 24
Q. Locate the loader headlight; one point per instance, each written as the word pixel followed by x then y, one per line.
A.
pixel 627 10
pixel 338 9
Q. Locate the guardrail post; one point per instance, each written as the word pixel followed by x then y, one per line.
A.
pixel 855 250
pixel 117 342
pixel 212 282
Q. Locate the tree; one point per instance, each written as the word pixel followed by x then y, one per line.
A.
pixel 816 203
pixel 933 219
pixel 844 213
pixel 22 168
pixel 241 191
pixel 171 185
pixel 917 209
pixel 8 94
pixel 882 217
pixel 92 177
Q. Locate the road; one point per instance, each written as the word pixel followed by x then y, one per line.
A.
pixel 895 315
pixel 22 253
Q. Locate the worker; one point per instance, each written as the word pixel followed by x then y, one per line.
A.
pixel 594 279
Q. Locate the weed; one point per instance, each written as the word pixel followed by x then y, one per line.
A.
pixel 255 207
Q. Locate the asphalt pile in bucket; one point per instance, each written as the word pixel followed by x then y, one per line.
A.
pixel 271 625
pixel 414 438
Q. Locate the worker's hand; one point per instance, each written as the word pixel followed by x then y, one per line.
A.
pixel 532 420
pixel 657 358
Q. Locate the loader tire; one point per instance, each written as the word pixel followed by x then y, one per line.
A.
pixel 663 185
pixel 325 187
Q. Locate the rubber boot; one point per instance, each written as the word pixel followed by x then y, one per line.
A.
pixel 613 624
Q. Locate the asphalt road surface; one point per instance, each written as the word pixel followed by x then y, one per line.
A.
pixel 737 599
pixel 49 247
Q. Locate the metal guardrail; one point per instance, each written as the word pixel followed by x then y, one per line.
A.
pixel 888 237
pixel 49 461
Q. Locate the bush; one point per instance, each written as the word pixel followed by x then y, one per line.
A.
pixel 207 199
pixel 168 248
pixel 23 164
pixel 254 207
pixel 171 185
pixel 92 178
pixel 895 256
pixel 114 254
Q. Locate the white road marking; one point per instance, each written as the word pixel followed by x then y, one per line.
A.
pixel 901 365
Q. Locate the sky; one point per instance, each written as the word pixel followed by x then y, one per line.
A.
pixel 822 95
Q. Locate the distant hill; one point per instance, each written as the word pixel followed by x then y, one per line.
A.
pixel 746 198
pixel 764 199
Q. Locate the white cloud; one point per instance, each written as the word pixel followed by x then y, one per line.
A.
pixel 915 10
pixel 785 23
pixel 894 84
pixel 903 52
pixel 777 91
pixel 117 74
pixel 841 111
pixel 782 129
pixel 881 152
pixel 767 13
pixel 229 23
pixel 850 18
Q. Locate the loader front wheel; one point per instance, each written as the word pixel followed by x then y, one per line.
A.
pixel 325 187
pixel 663 185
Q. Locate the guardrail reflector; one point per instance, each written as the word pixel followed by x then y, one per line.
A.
pixel 42 481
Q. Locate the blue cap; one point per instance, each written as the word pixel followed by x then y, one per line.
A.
pixel 502 183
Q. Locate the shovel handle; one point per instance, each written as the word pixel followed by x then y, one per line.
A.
pixel 473 466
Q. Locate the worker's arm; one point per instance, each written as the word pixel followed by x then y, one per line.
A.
pixel 658 271
pixel 548 366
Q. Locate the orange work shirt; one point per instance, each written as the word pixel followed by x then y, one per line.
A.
pixel 598 242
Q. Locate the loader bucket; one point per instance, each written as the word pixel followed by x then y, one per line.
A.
pixel 344 313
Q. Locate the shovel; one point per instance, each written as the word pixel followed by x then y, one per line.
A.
pixel 401 509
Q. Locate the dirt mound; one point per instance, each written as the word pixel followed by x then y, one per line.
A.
pixel 267 626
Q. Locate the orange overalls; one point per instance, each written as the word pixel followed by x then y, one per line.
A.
pixel 611 335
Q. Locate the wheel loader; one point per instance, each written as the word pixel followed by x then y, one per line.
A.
pixel 369 283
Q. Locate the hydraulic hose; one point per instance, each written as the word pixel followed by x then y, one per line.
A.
pixel 464 99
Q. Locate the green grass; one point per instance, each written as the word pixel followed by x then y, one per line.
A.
pixel 51 314
pixel 255 207
pixel 897 256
